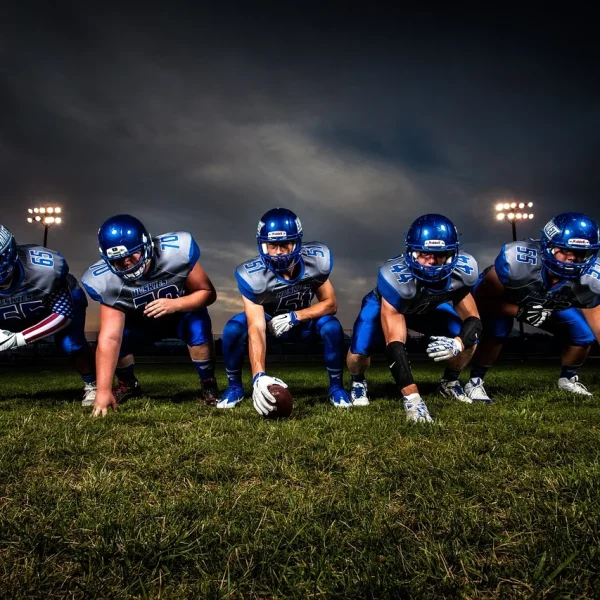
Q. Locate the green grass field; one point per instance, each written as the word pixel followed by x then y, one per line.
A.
pixel 171 499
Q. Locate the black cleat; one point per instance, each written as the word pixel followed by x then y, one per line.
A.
pixel 126 390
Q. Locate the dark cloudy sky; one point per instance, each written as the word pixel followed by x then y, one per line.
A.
pixel 358 120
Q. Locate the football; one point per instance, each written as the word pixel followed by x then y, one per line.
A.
pixel 284 400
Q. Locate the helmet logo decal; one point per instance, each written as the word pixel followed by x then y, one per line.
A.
pixel 277 235
pixel 436 244
pixel 116 252
pixel 260 226
pixel 551 229
pixel 5 237
pixel 579 242
pixel 298 226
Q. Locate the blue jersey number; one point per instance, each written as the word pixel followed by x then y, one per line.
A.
pixel 595 272
pixel 39 257
pixel 314 251
pixel 464 266
pixel 527 255
pixel 24 311
pixel 170 291
pixel 255 266
pixel 167 241
pixel 403 275
pixel 100 270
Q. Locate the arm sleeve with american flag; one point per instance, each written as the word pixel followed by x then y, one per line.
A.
pixel 61 307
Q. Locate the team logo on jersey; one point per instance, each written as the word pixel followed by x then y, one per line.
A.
pixel 579 242
pixel 435 244
pixel 551 229
pixel 277 235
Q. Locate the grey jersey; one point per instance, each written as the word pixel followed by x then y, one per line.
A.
pixel 409 295
pixel 175 255
pixel 276 295
pixel 40 275
pixel 519 267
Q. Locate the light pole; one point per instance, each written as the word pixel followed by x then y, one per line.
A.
pixel 45 216
pixel 513 212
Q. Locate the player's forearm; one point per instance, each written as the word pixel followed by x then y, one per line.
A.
pixel 49 326
pixel 317 310
pixel 107 355
pixel 195 301
pixel 257 349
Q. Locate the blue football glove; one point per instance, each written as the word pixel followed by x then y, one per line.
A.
pixel 281 323
pixel 443 348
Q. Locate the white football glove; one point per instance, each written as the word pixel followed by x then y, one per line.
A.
pixel 281 323
pixel 534 315
pixel 263 400
pixel 10 340
pixel 443 348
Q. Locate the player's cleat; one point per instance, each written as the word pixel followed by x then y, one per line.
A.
pixel 359 393
pixel 231 397
pixel 89 394
pixel 210 393
pixel 126 390
pixel 416 409
pixel 453 390
pixel 339 398
pixel 475 391
pixel 573 386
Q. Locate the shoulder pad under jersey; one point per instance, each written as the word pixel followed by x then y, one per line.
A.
pixel 44 269
pixel 176 252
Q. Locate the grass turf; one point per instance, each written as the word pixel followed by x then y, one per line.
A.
pixel 172 499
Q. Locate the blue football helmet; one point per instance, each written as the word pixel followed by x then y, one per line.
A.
pixel 8 254
pixel 432 234
pixel 279 225
pixel 570 231
pixel 121 236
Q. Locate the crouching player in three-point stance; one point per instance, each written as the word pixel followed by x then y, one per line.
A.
pixel 427 290
pixel 149 289
pixel 553 284
pixel 39 298
pixel 278 286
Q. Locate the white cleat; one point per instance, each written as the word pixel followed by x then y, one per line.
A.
pixel 89 394
pixel 453 390
pixel 416 410
pixel 358 393
pixel 573 386
pixel 475 391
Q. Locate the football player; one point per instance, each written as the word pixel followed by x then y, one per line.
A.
pixel 428 290
pixel 39 298
pixel 149 289
pixel 552 283
pixel 278 287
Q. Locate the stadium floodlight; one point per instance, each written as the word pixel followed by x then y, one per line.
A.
pixel 47 220
pixel 500 216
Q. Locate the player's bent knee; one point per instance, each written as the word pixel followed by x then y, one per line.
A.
pixel 330 327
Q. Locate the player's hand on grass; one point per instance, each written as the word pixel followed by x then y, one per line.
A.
pixel 161 307
pixel 262 399
pixel 104 400
pixel 444 348
pixel 534 315
pixel 281 323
